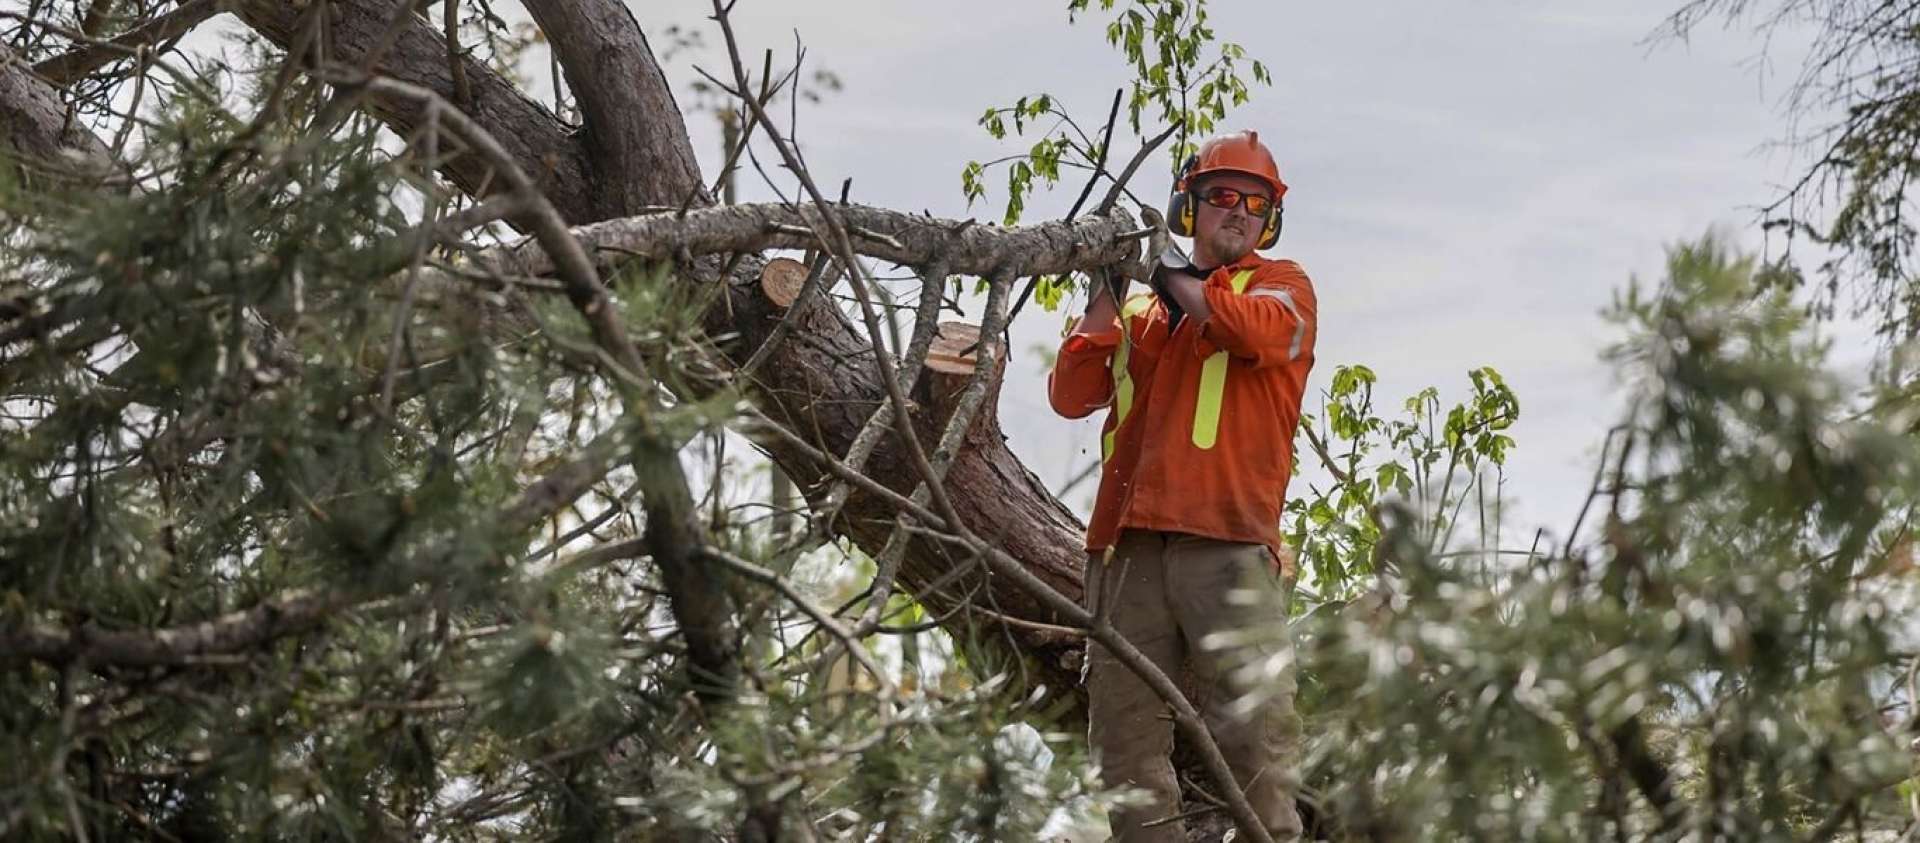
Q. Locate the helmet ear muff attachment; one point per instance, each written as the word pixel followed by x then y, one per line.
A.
pixel 1180 208
pixel 1271 234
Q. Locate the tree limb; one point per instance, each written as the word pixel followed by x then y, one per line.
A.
pixel 63 69
pixel 894 236
pixel 621 92
pixel 39 137
pixel 530 134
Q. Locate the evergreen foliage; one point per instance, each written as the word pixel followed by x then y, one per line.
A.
pixel 1729 657
pixel 236 393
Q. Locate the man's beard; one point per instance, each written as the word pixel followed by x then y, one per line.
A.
pixel 1227 246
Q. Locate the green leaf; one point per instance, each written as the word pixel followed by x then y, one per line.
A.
pixel 973 182
pixel 1019 181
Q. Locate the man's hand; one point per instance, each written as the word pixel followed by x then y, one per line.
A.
pixel 1169 267
pixel 1180 286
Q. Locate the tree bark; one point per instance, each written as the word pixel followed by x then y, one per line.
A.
pixel 41 144
pixel 626 106
pixel 896 236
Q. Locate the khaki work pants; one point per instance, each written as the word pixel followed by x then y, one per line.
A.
pixel 1168 592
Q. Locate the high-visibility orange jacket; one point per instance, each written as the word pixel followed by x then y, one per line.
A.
pixel 1199 439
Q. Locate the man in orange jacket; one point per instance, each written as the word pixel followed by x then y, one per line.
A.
pixel 1204 377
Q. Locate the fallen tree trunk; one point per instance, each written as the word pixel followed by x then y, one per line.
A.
pixel 821 380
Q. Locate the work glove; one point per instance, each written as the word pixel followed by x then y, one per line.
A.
pixel 1170 265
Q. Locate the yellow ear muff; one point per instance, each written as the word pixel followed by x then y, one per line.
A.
pixel 1180 212
pixel 1181 201
pixel 1271 234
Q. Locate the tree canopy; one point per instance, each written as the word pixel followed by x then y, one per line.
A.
pixel 365 472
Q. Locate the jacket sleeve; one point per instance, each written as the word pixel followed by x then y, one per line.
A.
pixel 1271 324
pixel 1082 377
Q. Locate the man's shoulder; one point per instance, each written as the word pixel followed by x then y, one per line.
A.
pixel 1279 272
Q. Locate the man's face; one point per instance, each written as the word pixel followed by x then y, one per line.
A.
pixel 1224 235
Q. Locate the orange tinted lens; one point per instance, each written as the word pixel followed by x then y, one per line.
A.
pixel 1222 197
pixel 1228 198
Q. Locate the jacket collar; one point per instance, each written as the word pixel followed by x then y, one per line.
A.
pixel 1246 261
pixel 1250 260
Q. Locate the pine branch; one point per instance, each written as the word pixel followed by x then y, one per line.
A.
pixel 298 610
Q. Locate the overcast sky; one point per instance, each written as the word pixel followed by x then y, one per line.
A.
pixel 1470 182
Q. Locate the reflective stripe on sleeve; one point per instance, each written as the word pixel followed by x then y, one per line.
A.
pixel 1285 297
pixel 1122 397
pixel 1123 376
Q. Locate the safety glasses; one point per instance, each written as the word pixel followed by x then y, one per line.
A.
pixel 1227 198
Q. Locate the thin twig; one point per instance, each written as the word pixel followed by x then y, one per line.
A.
pixel 925 325
pixel 1126 175
pixel 814 611
pixel 839 241
pixel 1099 169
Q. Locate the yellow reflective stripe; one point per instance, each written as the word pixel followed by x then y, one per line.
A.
pixel 1122 395
pixel 1213 384
pixel 1122 384
pixel 1123 376
pixel 1206 412
pixel 1285 299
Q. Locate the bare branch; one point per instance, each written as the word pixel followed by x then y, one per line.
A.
pixel 819 615
pixel 926 322
pixel 63 69
pixel 1126 175
pixel 987 370
pixel 894 236
pixel 176 645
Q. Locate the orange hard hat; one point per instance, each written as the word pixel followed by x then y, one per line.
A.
pixel 1236 152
